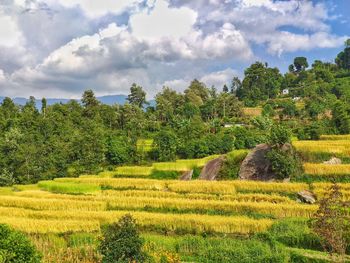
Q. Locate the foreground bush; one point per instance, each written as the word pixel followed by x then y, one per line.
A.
pixel 16 248
pixel 122 243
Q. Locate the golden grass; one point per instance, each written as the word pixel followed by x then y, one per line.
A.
pixel 50 204
pixel 335 137
pixel 326 169
pixel 327 186
pixel 197 186
pixel 110 195
pixel 42 226
pixel 321 193
pixel 132 171
pixel 183 165
pixel 325 146
pixel 277 210
pixel 63 221
pixel 267 187
pixel 252 112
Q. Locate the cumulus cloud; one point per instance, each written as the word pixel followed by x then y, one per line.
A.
pixel 96 8
pixel 163 21
pixel 62 47
pixel 9 32
pixel 219 78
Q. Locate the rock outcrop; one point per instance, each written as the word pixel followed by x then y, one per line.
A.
pixel 333 160
pixel 187 176
pixel 307 196
pixel 211 170
pixel 256 166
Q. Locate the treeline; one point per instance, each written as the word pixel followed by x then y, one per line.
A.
pixel 75 138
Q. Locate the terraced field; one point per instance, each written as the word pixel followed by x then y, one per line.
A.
pixel 55 212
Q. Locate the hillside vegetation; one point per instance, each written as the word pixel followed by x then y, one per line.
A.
pixel 67 170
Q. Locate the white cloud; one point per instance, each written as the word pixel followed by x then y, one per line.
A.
pixel 288 42
pixel 62 47
pixel 219 78
pixel 9 32
pixel 2 76
pixel 163 21
pixel 97 8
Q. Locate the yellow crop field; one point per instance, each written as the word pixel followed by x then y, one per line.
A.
pixel 132 171
pixel 196 186
pixel 254 186
pixel 326 146
pixel 335 137
pixel 29 221
pixel 326 169
pixel 252 112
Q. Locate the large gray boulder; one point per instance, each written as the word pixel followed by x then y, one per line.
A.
pixel 211 170
pixel 256 166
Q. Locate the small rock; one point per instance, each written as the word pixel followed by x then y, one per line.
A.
pixel 333 160
pixel 187 176
pixel 307 196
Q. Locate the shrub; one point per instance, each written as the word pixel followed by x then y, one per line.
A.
pixel 284 164
pixel 280 135
pixel 165 144
pixel 122 243
pixel 232 164
pixel 16 248
pixel 6 178
pixel 119 150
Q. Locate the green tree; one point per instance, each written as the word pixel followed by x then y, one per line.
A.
pixel 119 150
pixel 197 93
pixel 341 117
pixel 260 83
pixel 343 58
pixel 16 248
pixel 280 135
pixel 122 243
pixel 165 145
pixel 137 96
pixel 90 103
pixel 300 64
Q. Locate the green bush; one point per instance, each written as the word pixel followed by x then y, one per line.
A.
pixel 16 248
pixel 122 243
pixel 232 164
pixel 280 135
pixel 284 164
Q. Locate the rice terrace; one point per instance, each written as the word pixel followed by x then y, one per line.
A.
pixel 171 131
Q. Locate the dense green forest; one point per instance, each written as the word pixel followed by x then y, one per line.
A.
pixel 74 138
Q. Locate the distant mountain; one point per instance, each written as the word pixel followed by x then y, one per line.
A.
pixel 109 100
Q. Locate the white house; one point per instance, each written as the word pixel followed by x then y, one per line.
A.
pixel 285 92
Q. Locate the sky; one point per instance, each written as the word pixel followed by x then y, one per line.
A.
pixel 59 48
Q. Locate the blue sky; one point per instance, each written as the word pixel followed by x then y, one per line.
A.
pixel 59 48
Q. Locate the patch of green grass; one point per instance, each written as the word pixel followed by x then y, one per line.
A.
pixel 169 175
pixel 82 239
pixel 68 188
